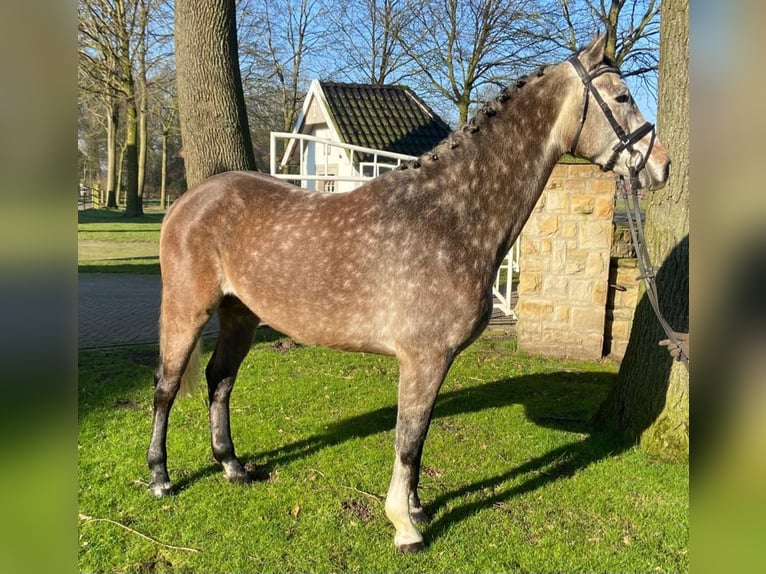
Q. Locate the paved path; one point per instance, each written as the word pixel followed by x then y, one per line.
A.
pixel 118 309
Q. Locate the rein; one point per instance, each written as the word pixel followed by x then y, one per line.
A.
pixel 627 141
pixel 646 271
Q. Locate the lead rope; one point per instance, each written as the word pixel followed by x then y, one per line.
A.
pixel 645 265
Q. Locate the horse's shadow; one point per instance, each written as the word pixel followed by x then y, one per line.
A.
pixel 561 400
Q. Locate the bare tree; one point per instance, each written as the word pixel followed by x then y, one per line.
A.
pixel 91 139
pixel 460 46
pixel 651 399
pixel 632 30
pixel 165 111
pixel 369 31
pixel 280 39
pixel 97 55
pixel 142 87
pixel 107 30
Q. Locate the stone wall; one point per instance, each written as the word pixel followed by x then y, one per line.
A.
pixel 622 297
pixel 564 260
pixel 620 306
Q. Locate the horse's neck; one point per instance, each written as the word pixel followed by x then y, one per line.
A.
pixel 498 176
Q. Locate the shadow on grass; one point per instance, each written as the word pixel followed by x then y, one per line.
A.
pixel 116 216
pixel 151 267
pixel 109 376
pixel 561 400
pixel 543 396
pixel 110 231
pixel 556 464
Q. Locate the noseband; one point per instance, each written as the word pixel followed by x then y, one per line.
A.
pixel 628 140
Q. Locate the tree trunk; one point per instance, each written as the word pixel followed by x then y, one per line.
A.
pixel 133 207
pixel 143 102
pixel 650 400
pixel 463 105
pixel 211 104
pixel 120 171
pixel 113 118
pixel 142 143
pixel 164 170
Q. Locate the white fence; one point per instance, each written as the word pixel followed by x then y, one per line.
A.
pixel 351 174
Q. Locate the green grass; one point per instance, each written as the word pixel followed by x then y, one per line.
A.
pixel 513 477
pixel 107 241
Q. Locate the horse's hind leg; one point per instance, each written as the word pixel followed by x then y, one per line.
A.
pixel 180 328
pixel 238 326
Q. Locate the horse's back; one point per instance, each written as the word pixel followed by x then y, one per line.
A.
pixel 347 270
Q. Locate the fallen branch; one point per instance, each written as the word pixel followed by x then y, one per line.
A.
pixel 85 518
pixel 373 496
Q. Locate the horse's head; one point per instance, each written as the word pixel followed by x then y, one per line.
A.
pixel 609 129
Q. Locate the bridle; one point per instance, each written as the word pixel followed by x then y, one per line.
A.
pixel 636 163
pixel 627 140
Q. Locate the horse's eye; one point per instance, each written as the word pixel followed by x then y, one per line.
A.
pixel 622 98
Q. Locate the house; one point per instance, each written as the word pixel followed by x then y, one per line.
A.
pixel 361 118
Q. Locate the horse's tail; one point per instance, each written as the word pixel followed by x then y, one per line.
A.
pixel 192 373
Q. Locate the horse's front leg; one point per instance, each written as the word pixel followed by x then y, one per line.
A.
pixel 420 378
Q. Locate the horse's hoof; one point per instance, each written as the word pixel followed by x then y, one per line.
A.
pixel 161 489
pixel 419 516
pixel 411 548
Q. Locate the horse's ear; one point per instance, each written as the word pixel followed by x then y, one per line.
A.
pixel 593 54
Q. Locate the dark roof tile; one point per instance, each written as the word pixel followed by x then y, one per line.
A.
pixel 389 118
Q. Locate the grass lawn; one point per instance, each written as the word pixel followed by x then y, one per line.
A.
pixel 513 477
pixel 107 241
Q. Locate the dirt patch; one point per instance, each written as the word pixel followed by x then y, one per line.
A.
pixel 431 472
pixel 128 404
pixel 358 510
pixel 283 345
pixel 155 564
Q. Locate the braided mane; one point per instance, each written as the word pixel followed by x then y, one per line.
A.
pixel 490 109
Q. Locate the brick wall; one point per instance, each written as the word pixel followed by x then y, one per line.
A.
pixel 564 260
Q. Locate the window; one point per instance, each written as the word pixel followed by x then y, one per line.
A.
pixel 375 169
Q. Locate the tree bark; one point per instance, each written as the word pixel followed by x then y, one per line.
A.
pixel 133 207
pixel 143 101
pixel 143 145
pixel 211 103
pixel 113 117
pixel 120 171
pixel 650 402
pixel 164 170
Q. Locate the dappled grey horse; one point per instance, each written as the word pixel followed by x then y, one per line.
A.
pixel 403 265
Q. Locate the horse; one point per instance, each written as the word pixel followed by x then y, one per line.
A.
pixel 403 265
